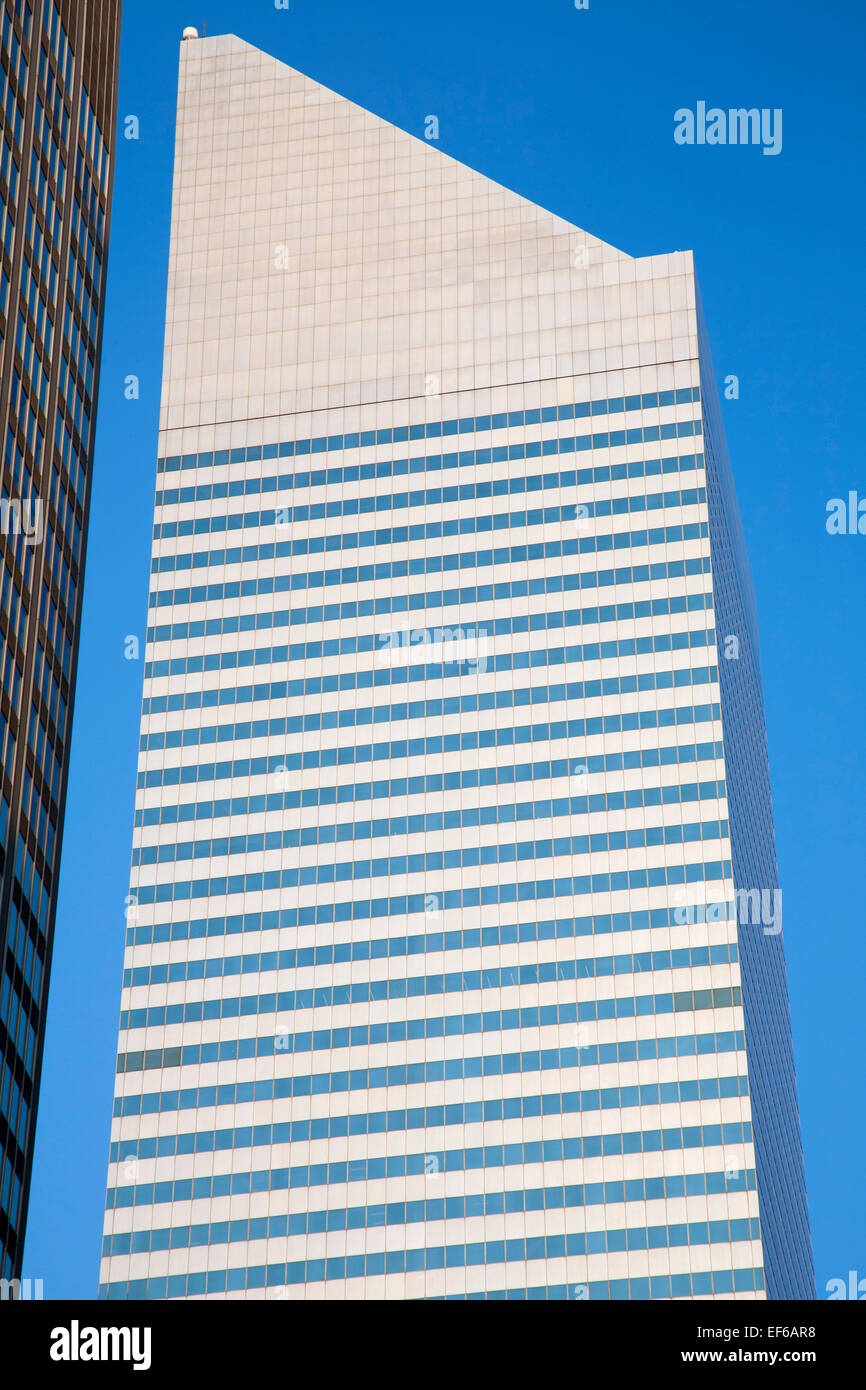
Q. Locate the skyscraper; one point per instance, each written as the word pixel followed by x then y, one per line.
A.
pixel 59 71
pixel 454 965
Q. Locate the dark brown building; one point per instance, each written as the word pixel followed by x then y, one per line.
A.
pixel 59 94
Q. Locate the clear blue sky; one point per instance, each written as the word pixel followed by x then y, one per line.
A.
pixel 573 109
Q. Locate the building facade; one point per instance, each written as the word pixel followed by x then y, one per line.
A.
pixel 59 77
pixel 453 963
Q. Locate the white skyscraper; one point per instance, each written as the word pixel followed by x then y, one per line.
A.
pixel 454 963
